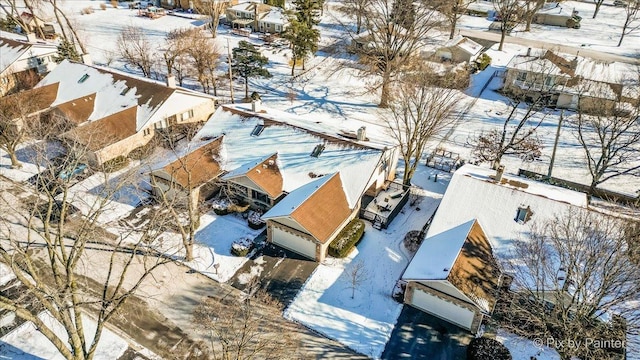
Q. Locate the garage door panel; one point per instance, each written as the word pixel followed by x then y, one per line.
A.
pixel 294 243
pixel 443 309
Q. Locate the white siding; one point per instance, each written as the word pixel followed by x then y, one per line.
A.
pixel 294 243
pixel 442 309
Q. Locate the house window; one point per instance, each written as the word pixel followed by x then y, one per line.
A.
pixel 146 132
pixel 523 215
pixel 187 115
pixel 317 150
pixel 277 27
pixel 83 78
pixel 4 80
pixel 522 76
pixel 257 195
pixel 41 61
pixel 549 81
pixel 238 13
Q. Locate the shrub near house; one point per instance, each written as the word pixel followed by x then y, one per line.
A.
pixel 347 239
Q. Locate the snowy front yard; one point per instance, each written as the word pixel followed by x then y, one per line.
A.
pixel 365 322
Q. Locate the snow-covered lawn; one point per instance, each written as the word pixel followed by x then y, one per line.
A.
pixel 522 348
pixel 27 343
pixel 365 322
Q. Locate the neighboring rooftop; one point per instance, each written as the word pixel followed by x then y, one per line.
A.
pixel 11 50
pixel 294 144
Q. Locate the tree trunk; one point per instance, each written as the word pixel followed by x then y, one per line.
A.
pixel 246 87
pixel 384 96
pixel 503 35
pixel 595 12
pixel 188 251
pixel 15 164
pixel 624 28
pixel 293 66
pixel 454 23
pixel 528 23
pixel 303 63
pixel 358 23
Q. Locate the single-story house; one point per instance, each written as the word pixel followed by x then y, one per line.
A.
pixel 557 15
pixel 23 58
pixel 258 183
pixel 194 173
pixel 455 276
pixel 307 178
pixel 456 271
pixel 459 49
pixel 309 218
pixel 115 113
pixel 571 81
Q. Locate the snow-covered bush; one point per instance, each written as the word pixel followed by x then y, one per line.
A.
pixel 242 246
pixel 347 239
pixel 254 220
pixel 412 240
pixel 220 206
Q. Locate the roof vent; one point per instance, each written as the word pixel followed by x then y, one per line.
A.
pixel 83 78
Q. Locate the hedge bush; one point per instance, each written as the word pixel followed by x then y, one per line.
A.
pixel 242 246
pixel 347 239
pixel 486 348
pixel 115 164
pixel 254 220
pixel 483 61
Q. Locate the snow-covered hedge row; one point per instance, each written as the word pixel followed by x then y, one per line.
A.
pixel 347 239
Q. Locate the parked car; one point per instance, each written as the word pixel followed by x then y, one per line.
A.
pixel 619 3
pixel 67 174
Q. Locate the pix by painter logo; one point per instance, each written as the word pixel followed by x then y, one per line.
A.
pixel 575 344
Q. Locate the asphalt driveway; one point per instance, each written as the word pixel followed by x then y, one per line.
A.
pixel 278 271
pixel 418 335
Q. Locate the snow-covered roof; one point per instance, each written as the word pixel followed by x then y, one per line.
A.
pixel 275 16
pixel 464 44
pixel 437 254
pixel 294 139
pixel 551 63
pixel 13 50
pixel 296 198
pixel 114 91
pixel 472 194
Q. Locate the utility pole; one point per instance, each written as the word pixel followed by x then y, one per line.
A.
pixel 555 145
pixel 230 72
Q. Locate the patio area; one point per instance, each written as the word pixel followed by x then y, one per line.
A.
pixel 385 206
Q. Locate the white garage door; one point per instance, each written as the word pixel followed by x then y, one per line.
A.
pixel 442 309
pixel 294 243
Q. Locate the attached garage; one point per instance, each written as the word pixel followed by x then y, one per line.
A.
pixel 293 242
pixel 443 309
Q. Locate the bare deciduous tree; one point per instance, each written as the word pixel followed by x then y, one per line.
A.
pixel 425 105
pixel 453 11
pixel 136 49
pixel 357 9
pixel 598 4
pixel 572 273
pixel 510 14
pixel 45 241
pixel 19 113
pixel 204 57
pixel 357 275
pixel 529 12
pixel 213 9
pixel 610 138
pixel 389 44
pixel 631 19
pixel 243 329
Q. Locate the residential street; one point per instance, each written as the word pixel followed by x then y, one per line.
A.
pixel 598 55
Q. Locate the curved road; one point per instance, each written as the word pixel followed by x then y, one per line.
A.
pixel 594 54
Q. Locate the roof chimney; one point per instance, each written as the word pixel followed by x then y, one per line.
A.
pixel 171 81
pixel 528 51
pixel 31 37
pixel 256 105
pixel 86 59
pixel 362 134
pixel 499 173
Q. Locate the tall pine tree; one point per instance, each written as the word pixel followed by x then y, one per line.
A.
pixel 248 63
pixel 303 39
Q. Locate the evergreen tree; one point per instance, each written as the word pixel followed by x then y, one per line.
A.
pixel 67 50
pixel 308 11
pixel 248 63
pixel 303 39
pixel 278 3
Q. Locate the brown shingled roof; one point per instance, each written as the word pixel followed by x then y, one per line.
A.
pixel 267 176
pixel 325 210
pixel 78 110
pixel 28 101
pixel 200 164
pixel 476 272
pixel 109 130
